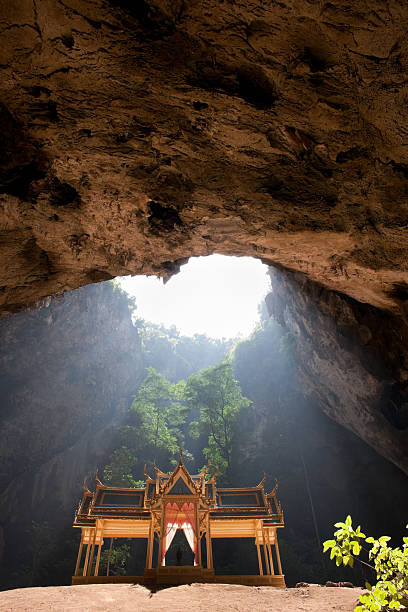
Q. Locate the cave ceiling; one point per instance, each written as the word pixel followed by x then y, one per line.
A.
pixel 134 135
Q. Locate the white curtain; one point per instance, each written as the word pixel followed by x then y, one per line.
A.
pixel 189 533
pixel 174 521
pixel 171 532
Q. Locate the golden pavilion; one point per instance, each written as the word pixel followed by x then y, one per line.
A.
pixel 170 502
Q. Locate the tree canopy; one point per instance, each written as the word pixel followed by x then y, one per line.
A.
pixel 157 427
pixel 218 396
pixel 153 432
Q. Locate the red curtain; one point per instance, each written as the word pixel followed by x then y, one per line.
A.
pixel 190 528
pixel 170 528
pixel 179 519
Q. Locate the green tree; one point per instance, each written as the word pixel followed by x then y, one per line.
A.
pixel 218 396
pixel 160 410
pixel 154 432
pixel 176 356
pixel 389 564
pixel 113 560
pixel 119 471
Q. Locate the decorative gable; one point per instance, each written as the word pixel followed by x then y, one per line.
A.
pixel 180 482
pixel 179 488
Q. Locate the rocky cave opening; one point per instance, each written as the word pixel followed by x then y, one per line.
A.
pixel 324 417
pixel 131 140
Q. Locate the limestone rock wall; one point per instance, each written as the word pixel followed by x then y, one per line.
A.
pixel 351 357
pixel 68 373
pixel 136 134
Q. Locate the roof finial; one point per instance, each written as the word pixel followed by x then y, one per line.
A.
pixel 214 476
pixel 261 484
pixel 98 482
pixel 275 488
pixel 204 472
pixel 181 456
pixel 84 485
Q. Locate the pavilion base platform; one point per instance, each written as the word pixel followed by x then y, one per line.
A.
pixel 176 575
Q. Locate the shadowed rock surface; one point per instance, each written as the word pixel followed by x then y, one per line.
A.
pixel 351 357
pixel 135 135
pixel 62 395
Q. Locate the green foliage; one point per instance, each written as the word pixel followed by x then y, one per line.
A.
pixel 218 396
pixel 176 356
pixel 390 565
pixel 119 472
pixel 156 417
pixel 117 560
pixel 121 297
pixel 161 410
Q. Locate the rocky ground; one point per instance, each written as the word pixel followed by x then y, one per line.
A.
pixel 194 597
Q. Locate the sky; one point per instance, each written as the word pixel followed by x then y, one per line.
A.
pixel 216 295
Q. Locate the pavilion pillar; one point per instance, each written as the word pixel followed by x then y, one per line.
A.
pixel 79 555
pixel 98 558
pixel 149 552
pixel 278 555
pixel 209 544
pixel 259 560
pixel 162 523
pixel 268 572
pixel 98 531
pixel 109 556
pixel 197 534
pixel 91 558
pixel 270 559
pixel 86 558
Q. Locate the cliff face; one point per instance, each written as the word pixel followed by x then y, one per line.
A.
pixel 136 134
pixel 351 357
pixel 69 370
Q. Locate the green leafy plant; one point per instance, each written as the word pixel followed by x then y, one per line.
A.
pixel 113 561
pixel 389 564
pixel 160 409
pixel 119 471
pixel 218 397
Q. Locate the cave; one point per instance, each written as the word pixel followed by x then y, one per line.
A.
pixel 72 365
pixel 135 138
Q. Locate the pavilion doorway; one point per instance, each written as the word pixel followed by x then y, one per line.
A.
pixel 180 517
pixel 179 552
